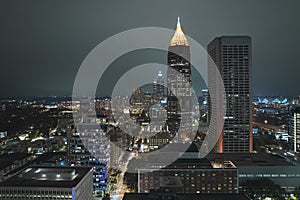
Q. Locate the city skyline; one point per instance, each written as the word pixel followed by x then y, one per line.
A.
pixel 59 44
pixel 115 100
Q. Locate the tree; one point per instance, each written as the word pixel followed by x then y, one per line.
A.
pixel 263 188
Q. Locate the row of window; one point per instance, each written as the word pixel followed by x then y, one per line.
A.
pixel 268 175
pixel 35 195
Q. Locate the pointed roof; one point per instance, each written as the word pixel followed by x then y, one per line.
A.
pixel 285 101
pixel 179 37
pixel 276 101
pixel 159 74
pixel 265 100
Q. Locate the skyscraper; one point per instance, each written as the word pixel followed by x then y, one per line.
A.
pixel 232 56
pixel 89 146
pixel 294 129
pixel 179 80
pixel 158 87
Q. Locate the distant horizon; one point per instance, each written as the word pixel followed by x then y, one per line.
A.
pixel 108 96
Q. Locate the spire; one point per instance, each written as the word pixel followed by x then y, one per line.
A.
pixel 159 74
pixel 179 37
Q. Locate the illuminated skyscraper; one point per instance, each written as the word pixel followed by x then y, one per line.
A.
pixel 158 87
pixel 90 146
pixel 233 58
pixel 179 81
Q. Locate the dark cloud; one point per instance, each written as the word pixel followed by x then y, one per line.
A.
pixel 43 43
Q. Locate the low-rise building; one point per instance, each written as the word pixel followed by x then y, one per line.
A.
pixel 163 196
pixel 263 165
pixel 192 175
pixel 38 182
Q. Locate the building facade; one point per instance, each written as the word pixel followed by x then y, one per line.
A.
pixel 179 83
pixel 294 129
pixel 158 87
pixel 60 183
pixel 89 146
pixel 175 196
pixel 255 166
pixel 190 176
pixel 233 59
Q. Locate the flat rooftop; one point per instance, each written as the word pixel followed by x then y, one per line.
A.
pixel 185 163
pixel 52 176
pixel 250 159
pixel 9 159
pixel 149 196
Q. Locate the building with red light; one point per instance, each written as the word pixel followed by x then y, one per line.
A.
pixel 233 59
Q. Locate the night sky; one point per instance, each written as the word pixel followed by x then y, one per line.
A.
pixel 43 43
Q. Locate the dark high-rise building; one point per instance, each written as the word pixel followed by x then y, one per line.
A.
pixel 233 58
pixel 179 81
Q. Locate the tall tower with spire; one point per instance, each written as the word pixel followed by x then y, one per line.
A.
pixel 179 82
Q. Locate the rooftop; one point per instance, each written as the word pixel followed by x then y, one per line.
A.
pixel 179 38
pixel 9 159
pixel 250 159
pixel 146 196
pixel 185 163
pixel 40 176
